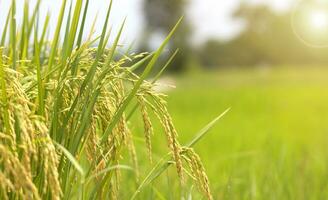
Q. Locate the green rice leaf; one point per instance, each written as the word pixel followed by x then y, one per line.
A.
pixel 108 169
pixel 71 158
pixel 55 39
pixel 137 85
pixel 13 34
pixel 165 162
pixel 5 28
pixel 159 74
pixel 206 129
pixel 41 109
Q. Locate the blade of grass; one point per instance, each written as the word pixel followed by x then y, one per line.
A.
pixel 110 56
pixel 106 170
pixel 165 66
pixel 66 35
pixel 5 28
pixel 73 28
pixel 137 85
pixel 164 163
pixel 154 80
pixel 55 39
pixel 13 33
pixel 159 195
pixel 206 129
pixel 92 29
pixel 44 31
pixel 159 168
pixel 85 122
pixel 72 159
pixel 114 46
pixel 24 40
pixel 130 47
pixel 107 38
pixel 140 63
pixel 79 39
pixel 41 110
pixel 33 18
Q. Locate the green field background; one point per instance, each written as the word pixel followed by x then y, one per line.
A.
pixel 272 144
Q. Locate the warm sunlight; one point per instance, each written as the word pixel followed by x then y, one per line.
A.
pixel 319 20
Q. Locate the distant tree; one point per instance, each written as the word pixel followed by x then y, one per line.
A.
pixel 160 16
pixel 267 38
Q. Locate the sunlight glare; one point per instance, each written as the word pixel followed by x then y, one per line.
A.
pixel 319 20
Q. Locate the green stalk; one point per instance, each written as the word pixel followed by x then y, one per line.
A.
pixel 65 42
pixel 4 33
pixel 24 39
pixel 13 34
pixel 55 39
pixel 165 66
pixel 73 28
pixel 79 39
pixel 41 110
pixel 32 21
pixel 44 31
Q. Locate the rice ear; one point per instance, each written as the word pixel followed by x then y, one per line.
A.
pixel 64 109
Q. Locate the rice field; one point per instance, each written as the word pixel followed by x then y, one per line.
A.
pixel 88 119
pixel 273 142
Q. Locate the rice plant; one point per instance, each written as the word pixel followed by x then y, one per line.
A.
pixel 65 111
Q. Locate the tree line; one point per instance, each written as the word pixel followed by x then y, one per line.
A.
pixel 266 39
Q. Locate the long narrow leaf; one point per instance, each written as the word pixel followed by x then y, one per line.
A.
pixel 5 28
pixel 39 76
pixel 13 34
pixel 55 39
pixel 106 170
pixel 71 158
pixel 137 85
pixel 206 129
pixel 165 162
pixel 165 66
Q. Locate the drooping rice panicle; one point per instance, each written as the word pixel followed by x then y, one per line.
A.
pixel 65 108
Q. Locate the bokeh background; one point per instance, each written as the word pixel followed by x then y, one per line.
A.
pixel 267 60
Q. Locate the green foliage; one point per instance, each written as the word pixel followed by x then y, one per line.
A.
pixel 266 39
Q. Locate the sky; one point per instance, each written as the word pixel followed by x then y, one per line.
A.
pixel 210 18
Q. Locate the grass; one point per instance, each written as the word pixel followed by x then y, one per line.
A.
pixel 65 114
pixel 273 142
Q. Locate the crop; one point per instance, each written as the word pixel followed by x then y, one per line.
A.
pixel 65 111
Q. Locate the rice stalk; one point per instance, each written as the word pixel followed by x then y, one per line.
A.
pixel 65 117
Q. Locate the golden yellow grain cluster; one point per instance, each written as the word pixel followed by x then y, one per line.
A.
pixel 66 107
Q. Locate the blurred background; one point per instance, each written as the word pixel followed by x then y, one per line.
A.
pixel 216 34
pixel 267 60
